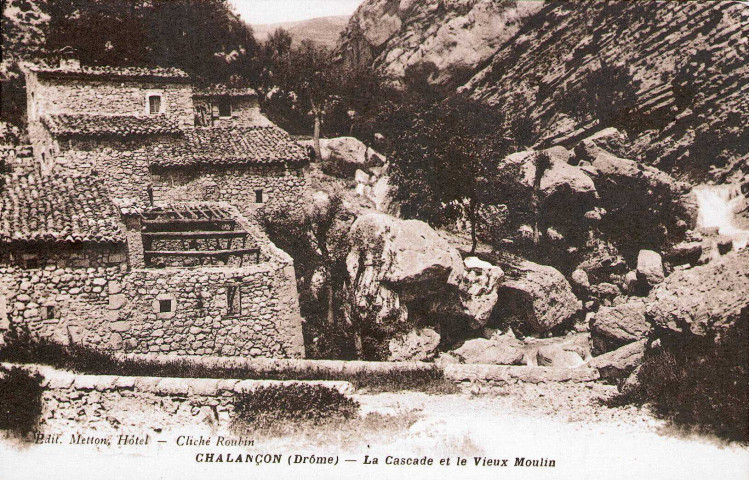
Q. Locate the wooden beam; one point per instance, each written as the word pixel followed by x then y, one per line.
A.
pixel 190 221
pixel 211 234
pixel 202 253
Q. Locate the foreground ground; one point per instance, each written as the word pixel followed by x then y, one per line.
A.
pixel 561 422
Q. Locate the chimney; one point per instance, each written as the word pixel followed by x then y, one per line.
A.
pixel 69 59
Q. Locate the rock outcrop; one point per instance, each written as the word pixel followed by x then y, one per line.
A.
pixel 536 298
pixel 343 156
pixel 455 36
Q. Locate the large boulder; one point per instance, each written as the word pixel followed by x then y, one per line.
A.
pixel 620 363
pixel 650 267
pixel 557 357
pixel 475 295
pixel 536 298
pixel 703 301
pixel 614 327
pixel 644 204
pixel 498 350
pixel 392 262
pixel 343 156
pixel 414 346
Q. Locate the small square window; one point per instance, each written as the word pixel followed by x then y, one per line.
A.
pixel 224 107
pixel 154 104
pixel 165 306
pixel 49 312
pixel 258 196
pixel 233 300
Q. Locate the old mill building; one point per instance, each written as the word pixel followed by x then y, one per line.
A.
pixel 133 228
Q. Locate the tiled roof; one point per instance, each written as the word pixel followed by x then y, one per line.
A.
pixel 139 73
pixel 110 125
pixel 233 146
pixel 224 91
pixel 57 208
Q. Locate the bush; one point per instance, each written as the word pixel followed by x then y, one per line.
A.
pixel 698 386
pixel 20 400
pixel 296 403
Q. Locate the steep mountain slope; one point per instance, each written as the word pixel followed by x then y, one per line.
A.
pixel 324 30
pixel 455 35
pixel 689 67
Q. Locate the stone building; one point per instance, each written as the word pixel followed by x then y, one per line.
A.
pixel 134 227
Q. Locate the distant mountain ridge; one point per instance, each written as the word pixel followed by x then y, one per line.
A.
pixel 323 30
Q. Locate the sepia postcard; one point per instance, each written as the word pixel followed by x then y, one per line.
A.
pixel 456 239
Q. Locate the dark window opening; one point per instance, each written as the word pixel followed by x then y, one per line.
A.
pixel 258 196
pixel 32 262
pixel 165 306
pixel 154 104
pixel 233 301
pixel 224 108
pixel 49 312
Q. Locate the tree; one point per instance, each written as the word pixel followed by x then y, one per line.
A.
pixel 320 217
pixel 444 160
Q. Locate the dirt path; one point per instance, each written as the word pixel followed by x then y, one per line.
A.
pixel 559 422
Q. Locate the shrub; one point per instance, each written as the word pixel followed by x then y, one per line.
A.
pixel 296 403
pixel 698 386
pixel 20 400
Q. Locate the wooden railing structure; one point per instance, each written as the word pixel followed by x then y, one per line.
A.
pixel 200 235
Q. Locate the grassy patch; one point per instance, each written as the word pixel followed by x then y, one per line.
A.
pixel 21 348
pixel 314 404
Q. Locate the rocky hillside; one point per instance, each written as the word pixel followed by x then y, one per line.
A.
pixel 323 31
pixel 456 35
pixel 687 63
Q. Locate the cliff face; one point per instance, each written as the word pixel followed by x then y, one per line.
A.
pixel 456 35
pixel 689 63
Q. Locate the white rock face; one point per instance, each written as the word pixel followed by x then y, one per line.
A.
pixel 389 254
pixel 346 155
pixel 457 35
pixel 478 290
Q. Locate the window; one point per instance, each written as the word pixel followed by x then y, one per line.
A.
pixel 49 312
pixel 165 306
pixel 259 196
pixel 233 300
pixel 224 107
pixel 154 104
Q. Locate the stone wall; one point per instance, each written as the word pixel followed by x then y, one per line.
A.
pixel 106 97
pixel 114 405
pixel 64 255
pixel 236 185
pixel 245 112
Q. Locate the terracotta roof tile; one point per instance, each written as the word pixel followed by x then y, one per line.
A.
pixel 110 125
pixel 233 146
pixel 57 208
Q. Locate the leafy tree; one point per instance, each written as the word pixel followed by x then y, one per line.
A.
pixel 444 160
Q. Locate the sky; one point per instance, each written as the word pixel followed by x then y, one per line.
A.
pixel 258 12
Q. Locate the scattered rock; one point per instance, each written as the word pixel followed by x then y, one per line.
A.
pixel 620 363
pixel 650 267
pixel 614 327
pixel 415 346
pixel 498 350
pixel 555 356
